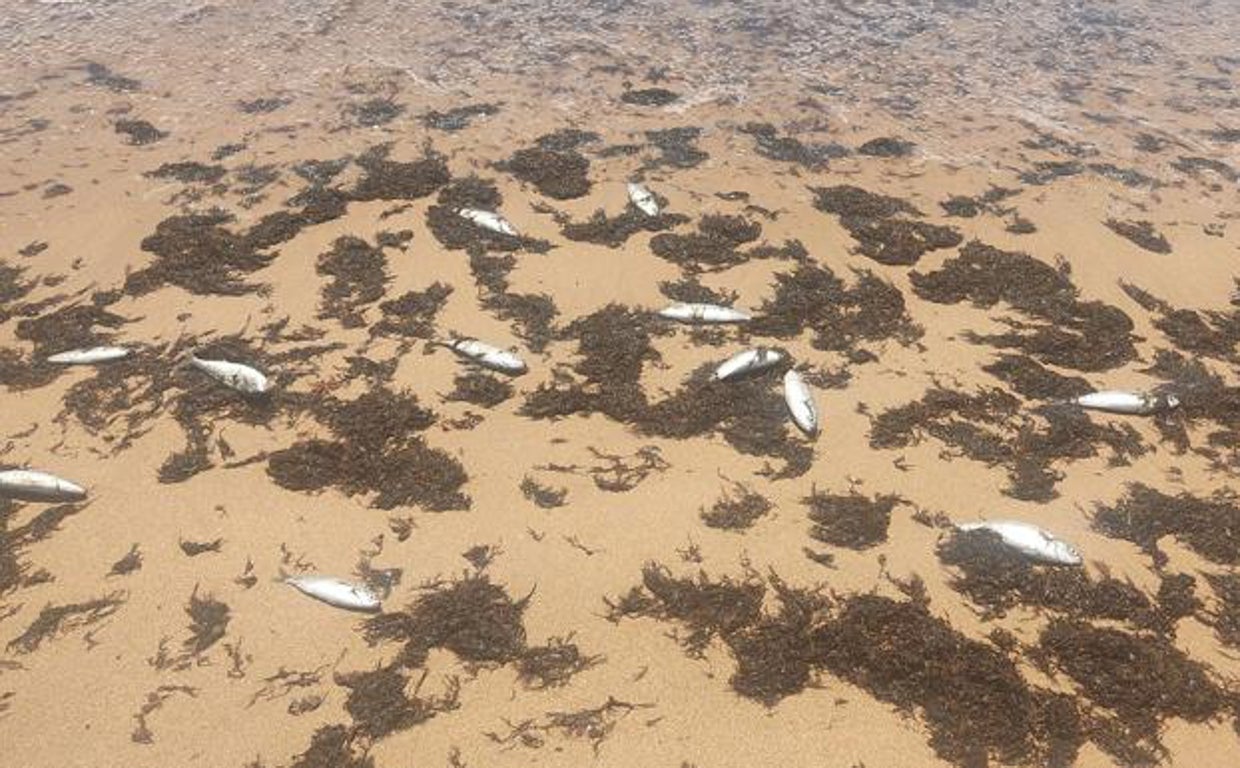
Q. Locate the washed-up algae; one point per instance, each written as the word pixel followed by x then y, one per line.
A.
pixel 737 510
pixel 101 75
pixel 841 317
pixel 68 328
pixel 14 572
pixel 1208 332
pixel 1142 678
pixel 772 146
pixel 386 179
pixel 131 562
pixel 1061 330
pixel 560 175
pixel 458 118
pixel 613 345
pixel 533 314
pixel 543 496
pixel 1140 233
pixel 55 620
pixel 716 245
pixel 1208 526
pixel 992 427
pixel 886 146
pixel 374 112
pixel 379 705
pixel 376 449
pixel 139 132
pixel 649 97
pixel 481 389
pixel 412 314
pixel 208 623
pixel 884 227
pixel 262 106
pixel 358 275
pixel 850 520
pixel 1204 399
pixel 1031 379
pixel 553 665
pixel 1226 620
pixel 197 254
pixel 677 148
pixel 997 581
pixel 969 694
pixel 189 172
pixel 331 746
pixel 615 231
pixel 471 617
pixel 457 233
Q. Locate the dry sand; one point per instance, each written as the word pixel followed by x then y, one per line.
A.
pixel 519 649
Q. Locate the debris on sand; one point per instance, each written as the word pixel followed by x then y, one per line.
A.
pixel 1210 527
pixel 471 617
pixel 594 724
pixel 359 277
pixel 386 179
pixel 1141 233
pixel 560 175
pixel 851 520
pixel 379 706
pixel 458 118
pixel 615 231
pixel 140 132
pixel 457 233
pixel 887 146
pixel 883 226
pixel 841 317
pixel 197 254
pixel 104 77
pixel 992 427
pixel 1032 380
pixel 208 622
pixel 737 509
pixel 716 244
pixel 331 746
pixel 649 97
pixel 56 620
pixel 263 106
pixel 481 389
pixel 677 148
pixel 189 172
pixel 377 449
pixel 787 149
pixel 543 496
pixel 1209 332
pixel 412 314
pixel 132 561
pixel 1061 329
pixel 1226 620
pixel 374 112
pixel 554 664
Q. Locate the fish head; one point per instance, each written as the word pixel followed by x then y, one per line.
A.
pixel 1171 401
pixel 1063 553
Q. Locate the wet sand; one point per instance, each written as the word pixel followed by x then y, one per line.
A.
pixel 1013 207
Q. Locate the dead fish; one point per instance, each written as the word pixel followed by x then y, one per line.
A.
pixel 30 485
pixel 1029 540
pixel 337 592
pixel 800 403
pixel 488 220
pixel 89 356
pixel 703 313
pixel 240 377
pixel 643 199
pixel 1115 401
pixel 749 361
pixel 488 356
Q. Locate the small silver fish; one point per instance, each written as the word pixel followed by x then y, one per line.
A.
pixel 1138 403
pixel 488 220
pixel 89 356
pixel 749 361
pixel 1029 540
pixel 337 592
pixel 643 199
pixel 31 485
pixel 240 377
pixel 488 356
pixel 703 313
pixel 800 402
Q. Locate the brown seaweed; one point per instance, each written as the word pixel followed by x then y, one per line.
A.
pixel 1141 233
pixel 851 520
pixel 553 665
pixel 1208 526
pixel 737 510
pixel 560 175
pixel 884 227
pixel 359 277
pixel 413 313
pixel 56 620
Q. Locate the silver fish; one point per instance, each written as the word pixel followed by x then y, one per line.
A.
pixel 488 220
pixel 1029 540
pixel 240 377
pixel 488 356
pixel 1138 403
pixel 337 592
pixel 703 313
pixel 800 403
pixel 30 485
pixel 749 361
pixel 89 356
pixel 643 199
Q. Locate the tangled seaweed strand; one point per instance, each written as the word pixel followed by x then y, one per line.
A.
pixel 882 225
pixel 851 520
pixel 1210 527
pixel 1065 331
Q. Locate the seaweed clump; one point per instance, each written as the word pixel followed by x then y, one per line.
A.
pixel 456 233
pixel 413 313
pixel 738 510
pixel 615 231
pixel 358 278
pixel 649 97
pixel 991 427
pixel 851 520
pixel 1210 527
pixel 54 620
pixel 471 617
pixel 560 175
pixel 140 132
pixel 787 149
pixel 197 254
pixel 1066 332
pixel 458 118
pixel 387 179
pixel 887 146
pixel 677 148
pixel 480 389
pixel 1210 333
pixel 883 226
pixel 1141 233
pixel 1033 380
pixel 377 449
pixel 715 245
pixel 208 623
pixel 840 316
pixel 379 706
pixel 554 664
pixel 189 172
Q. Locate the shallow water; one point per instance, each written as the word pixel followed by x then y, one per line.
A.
pixel 953 216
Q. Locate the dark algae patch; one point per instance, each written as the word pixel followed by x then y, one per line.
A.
pixel 560 175
pixel 787 149
pixel 992 427
pixel 358 277
pixel 1061 329
pixel 379 705
pixel 196 253
pixel 1208 526
pixel 886 146
pixel 413 313
pixel 850 520
pixel 886 228
pixel 737 510
pixel 1207 332
pixel 456 233
pixel 716 245
pixel 649 97
pixel 387 179
pixel 56 620
pixel 1031 379
pixel 208 623
pixel 614 231
pixel 189 172
pixel 1141 233
pixel 553 665
pixel 543 496
pixel 376 449
pixel 104 77
pixel 480 388
pixel 458 118
pixel 677 148
pixel 139 132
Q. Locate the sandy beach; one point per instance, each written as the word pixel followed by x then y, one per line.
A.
pixel 952 220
